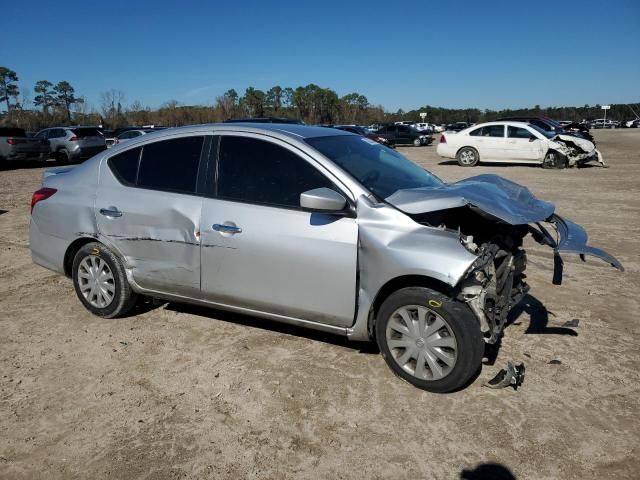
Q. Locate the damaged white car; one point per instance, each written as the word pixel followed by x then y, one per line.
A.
pixel 517 142
pixel 309 226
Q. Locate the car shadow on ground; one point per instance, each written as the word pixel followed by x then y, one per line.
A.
pixel 271 325
pixel 538 325
pixel 490 164
pixel 3 211
pixel 488 471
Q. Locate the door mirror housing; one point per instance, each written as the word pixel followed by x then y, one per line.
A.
pixel 532 138
pixel 323 200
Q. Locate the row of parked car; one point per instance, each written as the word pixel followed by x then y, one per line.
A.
pixel 66 144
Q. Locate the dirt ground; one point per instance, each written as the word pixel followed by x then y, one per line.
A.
pixel 183 392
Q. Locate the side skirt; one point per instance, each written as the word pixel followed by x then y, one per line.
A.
pixel 232 308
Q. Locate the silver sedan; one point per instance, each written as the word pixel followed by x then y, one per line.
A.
pixel 304 225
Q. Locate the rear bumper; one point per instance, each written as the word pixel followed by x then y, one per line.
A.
pixel 47 250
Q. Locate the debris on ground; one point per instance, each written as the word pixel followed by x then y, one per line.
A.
pixel 571 323
pixel 510 376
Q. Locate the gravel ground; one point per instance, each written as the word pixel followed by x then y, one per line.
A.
pixel 183 392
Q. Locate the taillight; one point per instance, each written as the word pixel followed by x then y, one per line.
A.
pixel 40 195
pixel 14 141
pixel 443 139
pixel 74 139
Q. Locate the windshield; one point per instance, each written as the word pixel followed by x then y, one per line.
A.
pixel 543 132
pixel 379 169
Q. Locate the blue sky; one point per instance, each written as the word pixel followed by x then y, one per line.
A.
pixel 485 54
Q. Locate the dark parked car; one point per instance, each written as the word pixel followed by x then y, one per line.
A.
pixel 265 120
pixel 404 135
pixel 456 127
pixel 15 145
pixel 551 126
pixel 365 133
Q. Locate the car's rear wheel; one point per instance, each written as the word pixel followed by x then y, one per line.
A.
pixel 101 283
pixel 468 157
pixel 63 156
pixel 429 339
pixel 554 160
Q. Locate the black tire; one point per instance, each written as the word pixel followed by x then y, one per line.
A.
pixel 417 142
pixel 554 159
pixel 62 156
pixel 467 157
pixel 461 323
pixel 124 298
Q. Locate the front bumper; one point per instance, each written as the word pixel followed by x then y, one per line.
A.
pixel 570 238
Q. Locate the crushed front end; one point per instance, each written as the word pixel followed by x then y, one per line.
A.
pixel 496 281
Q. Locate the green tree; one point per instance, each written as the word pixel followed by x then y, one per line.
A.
pixel 45 98
pixel 8 87
pixel 254 101
pixel 274 98
pixel 65 97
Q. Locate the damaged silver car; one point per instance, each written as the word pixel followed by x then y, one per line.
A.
pixel 304 225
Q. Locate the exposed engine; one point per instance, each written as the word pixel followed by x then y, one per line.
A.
pixel 495 282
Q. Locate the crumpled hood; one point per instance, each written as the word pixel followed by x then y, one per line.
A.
pixel 501 198
pixel 585 145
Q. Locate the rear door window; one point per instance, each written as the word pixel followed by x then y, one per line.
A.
pixel 171 165
pixel 256 171
pixel 493 131
pixel 125 166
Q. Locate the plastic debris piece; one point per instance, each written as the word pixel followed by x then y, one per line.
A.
pixel 511 376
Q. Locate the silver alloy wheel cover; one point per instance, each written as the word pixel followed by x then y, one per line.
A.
pixel 421 342
pixel 96 281
pixel 467 157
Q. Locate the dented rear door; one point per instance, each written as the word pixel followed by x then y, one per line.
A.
pixel 147 208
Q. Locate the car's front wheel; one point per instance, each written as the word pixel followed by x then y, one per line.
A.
pixel 428 339
pixel 554 159
pixel 101 283
pixel 417 142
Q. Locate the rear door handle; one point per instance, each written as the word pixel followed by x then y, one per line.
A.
pixel 218 227
pixel 111 212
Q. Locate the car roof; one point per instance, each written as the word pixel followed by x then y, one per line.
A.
pixel 279 130
pixel 286 129
pixel 509 123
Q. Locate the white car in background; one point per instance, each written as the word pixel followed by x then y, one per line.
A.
pixel 516 142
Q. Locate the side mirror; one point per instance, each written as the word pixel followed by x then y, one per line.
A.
pixel 322 199
pixel 532 138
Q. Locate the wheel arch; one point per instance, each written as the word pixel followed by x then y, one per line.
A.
pixel 398 283
pixel 468 146
pixel 71 251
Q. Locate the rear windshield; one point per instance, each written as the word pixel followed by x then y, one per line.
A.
pixel 86 132
pixel 12 132
pixel 379 169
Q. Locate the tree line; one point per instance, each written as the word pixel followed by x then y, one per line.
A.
pixel 58 104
